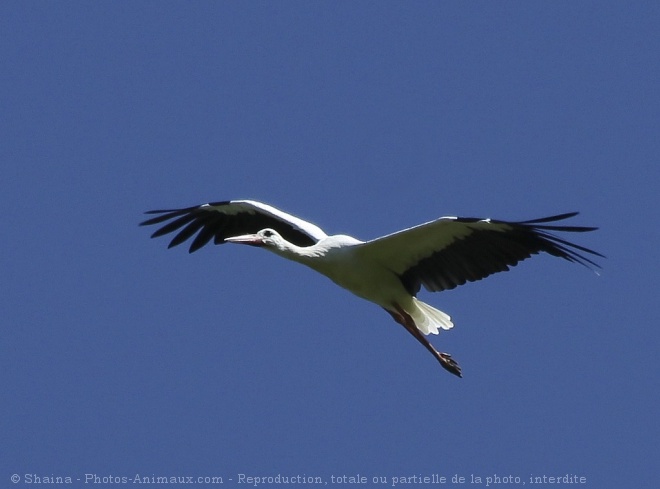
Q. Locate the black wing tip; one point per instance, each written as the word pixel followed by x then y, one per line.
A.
pixel 191 249
pixel 165 215
pixel 561 247
pixel 188 218
pixel 558 217
pixel 185 215
pixel 153 220
pixel 161 211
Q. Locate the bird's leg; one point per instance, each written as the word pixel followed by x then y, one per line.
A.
pixel 445 359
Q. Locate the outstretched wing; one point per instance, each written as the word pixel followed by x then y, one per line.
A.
pixel 451 251
pixel 221 220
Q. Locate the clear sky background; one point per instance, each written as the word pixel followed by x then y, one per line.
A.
pixel 120 357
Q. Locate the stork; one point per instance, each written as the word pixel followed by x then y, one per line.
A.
pixel 388 271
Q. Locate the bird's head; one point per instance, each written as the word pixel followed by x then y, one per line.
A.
pixel 266 237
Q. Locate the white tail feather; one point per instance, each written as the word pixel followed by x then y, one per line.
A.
pixel 429 319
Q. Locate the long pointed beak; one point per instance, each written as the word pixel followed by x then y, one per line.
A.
pixel 248 239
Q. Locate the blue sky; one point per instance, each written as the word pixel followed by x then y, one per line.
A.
pixel 120 357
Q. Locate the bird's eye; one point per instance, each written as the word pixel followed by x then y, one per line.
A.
pixel 268 233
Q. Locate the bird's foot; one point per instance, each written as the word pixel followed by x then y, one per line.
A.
pixel 449 364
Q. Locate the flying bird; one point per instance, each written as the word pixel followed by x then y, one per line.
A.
pixel 388 271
